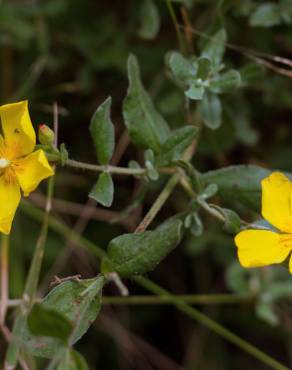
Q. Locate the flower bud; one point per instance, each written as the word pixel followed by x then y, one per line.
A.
pixel 46 135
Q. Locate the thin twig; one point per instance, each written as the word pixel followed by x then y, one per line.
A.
pixel 4 275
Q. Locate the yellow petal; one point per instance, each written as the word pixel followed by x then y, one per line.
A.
pixel 31 170
pixel 276 201
pixel 9 200
pixel 261 248
pixel 18 132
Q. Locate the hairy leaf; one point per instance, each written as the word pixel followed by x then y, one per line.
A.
pixel 131 254
pixel 147 128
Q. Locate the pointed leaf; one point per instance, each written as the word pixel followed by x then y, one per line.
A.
pixel 102 132
pixel 147 128
pixel 103 191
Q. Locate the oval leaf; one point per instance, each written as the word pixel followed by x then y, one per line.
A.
pixel 131 254
pixel 102 132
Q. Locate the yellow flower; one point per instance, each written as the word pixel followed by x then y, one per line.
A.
pixel 262 247
pixel 20 167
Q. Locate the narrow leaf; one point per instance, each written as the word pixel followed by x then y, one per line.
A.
pixel 147 128
pixel 211 110
pixel 103 191
pixel 102 132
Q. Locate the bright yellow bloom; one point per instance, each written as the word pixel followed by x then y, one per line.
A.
pixel 262 247
pixel 20 167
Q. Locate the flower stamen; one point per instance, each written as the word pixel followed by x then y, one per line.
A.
pixel 4 163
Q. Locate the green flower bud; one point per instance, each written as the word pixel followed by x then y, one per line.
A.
pixel 46 135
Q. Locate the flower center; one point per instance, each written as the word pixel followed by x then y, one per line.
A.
pixel 4 163
pixel 286 240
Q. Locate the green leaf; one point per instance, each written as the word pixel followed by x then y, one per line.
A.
pixel 147 128
pixel 266 15
pixel 211 110
pixel 204 68
pixel 181 67
pixel 72 360
pixel 250 73
pixel 265 311
pixel 209 191
pixel 103 191
pixel 79 301
pixel 226 82
pixel 197 226
pixel 150 20
pixel 240 183
pixel 237 278
pixel 131 254
pixel 175 145
pixel 49 323
pixel 232 222
pixel 195 91
pixel 215 47
pixel 102 132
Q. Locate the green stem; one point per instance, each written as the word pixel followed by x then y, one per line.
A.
pixel 4 277
pixel 201 299
pixel 157 290
pixel 211 324
pixel 163 196
pixel 106 168
pixel 31 284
